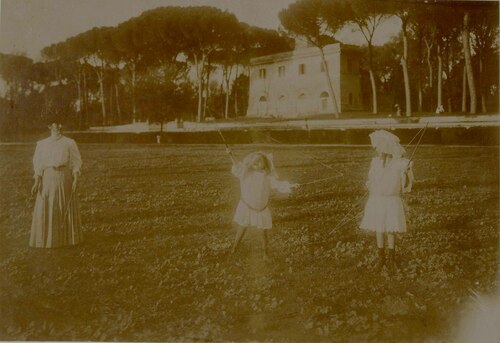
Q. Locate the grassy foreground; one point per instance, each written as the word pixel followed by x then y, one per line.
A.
pixel 155 263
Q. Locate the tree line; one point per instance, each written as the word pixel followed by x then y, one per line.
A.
pixel 438 40
pixel 161 65
pixel 155 67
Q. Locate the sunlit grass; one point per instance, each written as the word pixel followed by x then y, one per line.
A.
pixel 155 263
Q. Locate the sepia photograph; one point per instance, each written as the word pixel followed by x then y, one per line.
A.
pixel 249 171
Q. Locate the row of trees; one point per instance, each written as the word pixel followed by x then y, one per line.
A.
pixel 443 35
pixel 149 67
pixel 161 64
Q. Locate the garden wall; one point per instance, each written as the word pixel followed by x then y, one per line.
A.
pixel 445 136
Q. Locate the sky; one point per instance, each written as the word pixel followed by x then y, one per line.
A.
pixel 27 26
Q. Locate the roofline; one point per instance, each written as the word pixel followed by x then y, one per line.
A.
pixel 305 52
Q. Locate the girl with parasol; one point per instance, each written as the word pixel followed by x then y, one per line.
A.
pixel 390 175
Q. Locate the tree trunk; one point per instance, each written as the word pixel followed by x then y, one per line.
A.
pixel 45 98
pixel 85 99
pixel 464 90
pixel 226 105
pixel 236 94
pixel 372 78
pixel 100 77
pixel 330 86
pixel 407 87
pixel 404 65
pixel 134 105
pixel 449 65
pixel 207 91
pixel 111 116
pixel 199 69
pixel 439 79
pixel 468 64
pixel 118 112
pixel 374 92
pixel 80 103
pixel 227 80
pixel 429 64
pixel 481 86
pixel 420 96
pixel 13 106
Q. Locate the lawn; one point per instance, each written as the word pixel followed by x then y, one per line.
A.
pixel 155 264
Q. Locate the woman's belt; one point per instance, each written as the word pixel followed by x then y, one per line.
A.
pixel 397 195
pixel 56 168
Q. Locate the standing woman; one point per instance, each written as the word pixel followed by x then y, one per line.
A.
pixel 390 175
pixel 57 163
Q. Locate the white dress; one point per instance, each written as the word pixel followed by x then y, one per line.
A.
pixel 256 186
pixel 56 219
pixel 384 210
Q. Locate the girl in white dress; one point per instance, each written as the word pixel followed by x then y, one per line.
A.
pixel 257 179
pixel 390 175
pixel 56 219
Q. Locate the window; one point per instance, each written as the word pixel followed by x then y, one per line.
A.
pixel 322 66
pixel 262 99
pixel 302 69
pixel 281 71
pixel 262 73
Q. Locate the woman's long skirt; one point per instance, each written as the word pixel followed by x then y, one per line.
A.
pixel 56 219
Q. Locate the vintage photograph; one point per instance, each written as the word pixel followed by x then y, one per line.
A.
pixel 249 171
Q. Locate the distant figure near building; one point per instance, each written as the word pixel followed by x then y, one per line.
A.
pixel 56 219
pixel 294 83
pixel 398 110
pixel 440 109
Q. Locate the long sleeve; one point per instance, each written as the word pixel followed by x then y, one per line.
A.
pixel 37 161
pixel 408 176
pixel 75 157
pixel 238 170
pixel 280 186
pixel 371 173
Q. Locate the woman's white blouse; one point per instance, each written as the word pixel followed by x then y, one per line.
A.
pixel 60 152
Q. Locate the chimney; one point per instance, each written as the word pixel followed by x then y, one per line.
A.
pixel 301 43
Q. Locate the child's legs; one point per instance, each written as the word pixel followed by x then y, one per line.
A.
pixel 390 240
pixel 240 232
pixel 380 240
pixel 264 240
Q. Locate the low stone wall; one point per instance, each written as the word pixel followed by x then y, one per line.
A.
pixel 443 136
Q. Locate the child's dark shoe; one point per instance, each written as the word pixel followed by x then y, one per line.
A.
pixel 391 261
pixel 381 260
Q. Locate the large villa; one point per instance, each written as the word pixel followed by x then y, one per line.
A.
pixel 294 84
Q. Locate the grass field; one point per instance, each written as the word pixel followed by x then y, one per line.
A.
pixel 155 263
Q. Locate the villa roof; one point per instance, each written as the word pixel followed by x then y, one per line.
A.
pixel 304 52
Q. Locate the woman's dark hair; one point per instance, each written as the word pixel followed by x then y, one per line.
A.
pixel 53 118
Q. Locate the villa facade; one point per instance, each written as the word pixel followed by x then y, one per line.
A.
pixel 294 84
